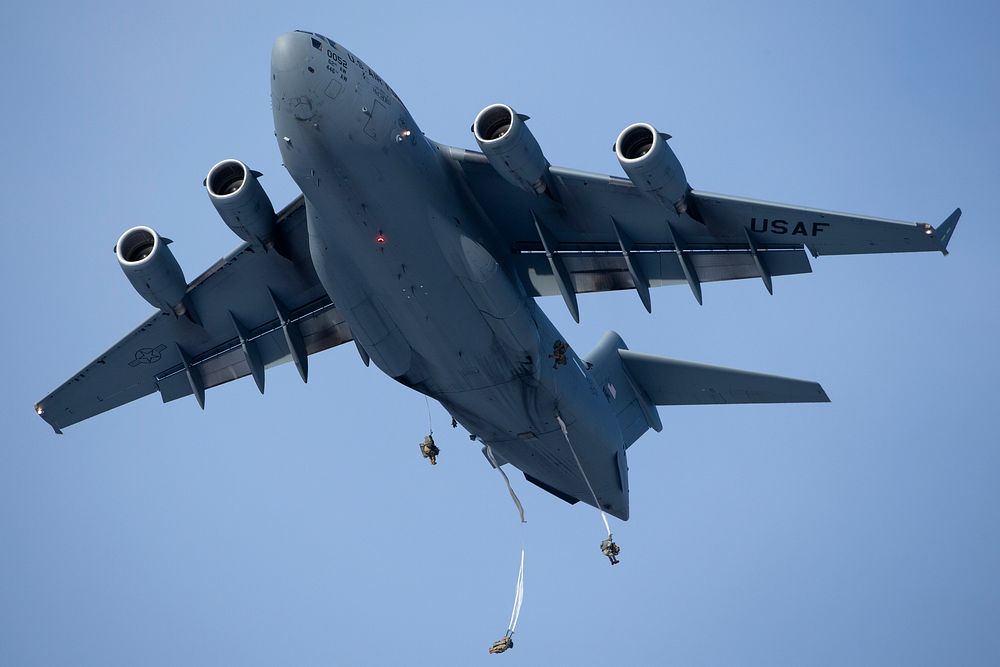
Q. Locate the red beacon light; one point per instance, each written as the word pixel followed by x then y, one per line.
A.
pixel 380 238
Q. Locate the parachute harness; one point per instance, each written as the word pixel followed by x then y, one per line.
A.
pixel 507 641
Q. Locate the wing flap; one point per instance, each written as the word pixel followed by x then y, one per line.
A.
pixel 321 330
pixel 602 272
pixel 237 287
pixel 592 212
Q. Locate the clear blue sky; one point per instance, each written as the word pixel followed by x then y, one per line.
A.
pixel 303 528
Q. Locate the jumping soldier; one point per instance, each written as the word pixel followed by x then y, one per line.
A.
pixel 429 449
pixel 501 645
pixel 559 353
pixel 611 550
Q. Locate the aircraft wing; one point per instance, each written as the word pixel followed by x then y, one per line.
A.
pixel 598 233
pixel 252 309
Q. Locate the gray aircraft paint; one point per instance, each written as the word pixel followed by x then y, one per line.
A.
pixel 429 257
pixel 432 305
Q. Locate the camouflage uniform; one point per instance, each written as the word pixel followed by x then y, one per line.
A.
pixel 611 550
pixel 429 449
pixel 501 645
pixel 559 353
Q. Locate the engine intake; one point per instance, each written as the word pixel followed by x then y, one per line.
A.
pixel 652 166
pixel 151 268
pixel 241 201
pixel 511 148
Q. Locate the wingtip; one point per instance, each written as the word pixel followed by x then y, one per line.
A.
pixel 40 411
pixel 944 231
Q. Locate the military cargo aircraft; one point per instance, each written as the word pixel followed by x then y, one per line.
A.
pixel 428 258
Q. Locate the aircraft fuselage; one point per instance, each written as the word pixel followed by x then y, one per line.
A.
pixel 418 271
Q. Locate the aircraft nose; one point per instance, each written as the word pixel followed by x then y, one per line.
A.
pixel 291 50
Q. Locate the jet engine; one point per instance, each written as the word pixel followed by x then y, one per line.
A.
pixel 511 148
pixel 151 268
pixel 652 166
pixel 241 201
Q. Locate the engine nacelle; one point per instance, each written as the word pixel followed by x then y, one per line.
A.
pixel 151 268
pixel 652 166
pixel 241 201
pixel 511 148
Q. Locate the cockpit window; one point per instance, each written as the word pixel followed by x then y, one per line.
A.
pixel 316 40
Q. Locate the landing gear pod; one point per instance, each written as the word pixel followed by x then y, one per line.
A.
pixel 241 201
pixel 651 165
pixel 511 148
pixel 151 268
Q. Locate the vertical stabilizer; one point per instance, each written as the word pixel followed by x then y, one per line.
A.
pixel 635 411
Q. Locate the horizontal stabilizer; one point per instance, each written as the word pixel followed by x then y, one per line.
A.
pixel 674 382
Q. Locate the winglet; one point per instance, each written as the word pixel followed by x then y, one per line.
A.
pixel 40 411
pixel 944 231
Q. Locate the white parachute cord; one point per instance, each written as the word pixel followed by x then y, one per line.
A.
pixel 515 613
pixel 518 595
pixel 597 504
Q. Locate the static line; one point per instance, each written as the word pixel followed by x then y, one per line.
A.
pixel 506 480
pixel 576 458
pixel 515 613
pixel 430 424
